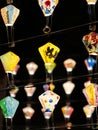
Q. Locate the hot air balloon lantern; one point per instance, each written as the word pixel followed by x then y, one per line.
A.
pixel 47 7
pixel 29 89
pixel 68 87
pixel 9 107
pixel 9 61
pixel 90 42
pixel 88 111
pixel 92 14
pixel 67 113
pixel 28 112
pixel 49 100
pixel 9 15
pixel 69 64
pixel 31 68
pixel 90 63
pixel 91 93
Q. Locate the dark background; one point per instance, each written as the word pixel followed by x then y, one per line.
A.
pixel 70 22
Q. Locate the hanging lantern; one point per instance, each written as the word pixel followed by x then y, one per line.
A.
pixel 68 87
pixel 91 43
pixel 91 94
pixel 88 110
pixel 69 64
pixel 9 106
pixel 9 14
pixel 29 89
pixel 31 67
pixel 9 61
pixel 48 52
pixel 28 111
pixel 90 62
pixel 47 7
pixel 67 111
pixel 49 100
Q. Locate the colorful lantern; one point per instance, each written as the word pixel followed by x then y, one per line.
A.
pixel 69 64
pixel 47 7
pixel 48 52
pixel 90 62
pixel 91 94
pixel 49 100
pixel 9 106
pixel 91 43
pixel 9 14
pixel 67 111
pixel 31 67
pixel 88 110
pixel 9 61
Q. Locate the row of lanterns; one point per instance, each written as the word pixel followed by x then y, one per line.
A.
pixel 48 99
pixel 10 14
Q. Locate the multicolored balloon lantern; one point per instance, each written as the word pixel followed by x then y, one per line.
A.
pixel 91 43
pixel 90 63
pixel 88 110
pixel 9 14
pixel 91 93
pixel 67 111
pixel 47 7
pixel 49 100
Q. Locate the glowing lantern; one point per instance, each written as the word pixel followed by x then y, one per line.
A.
pixel 91 43
pixel 49 100
pixel 48 52
pixel 69 64
pixel 88 110
pixel 31 67
pixel 9 106
pixel 67 111
pixel 47 7
pixel 29 89
pixel 90 62
pixel 9 61
pixel 91 94
pixel 28 111
pixel 9 14
pixel 68 87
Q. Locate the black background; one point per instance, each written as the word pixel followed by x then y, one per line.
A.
pixel 69 24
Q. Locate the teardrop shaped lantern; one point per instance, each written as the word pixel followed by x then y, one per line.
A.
pixel 68 87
